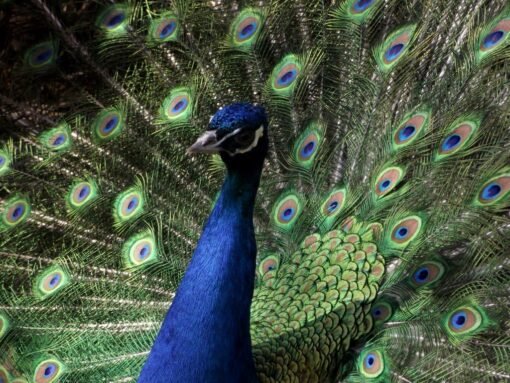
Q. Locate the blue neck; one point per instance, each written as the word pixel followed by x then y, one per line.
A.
pixel 205 336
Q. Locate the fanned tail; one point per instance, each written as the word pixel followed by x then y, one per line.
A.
pixel 382 217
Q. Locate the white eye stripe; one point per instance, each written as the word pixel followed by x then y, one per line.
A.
pixel 258 133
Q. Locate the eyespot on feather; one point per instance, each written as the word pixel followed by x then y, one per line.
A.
pixel 81 194
pixel 361 6
pixel 387 180
pixel 57 139
pixel 114 19
pixel 494 191
pixel 458 136
pixel 246 28
pixel 285 74
pixel 164 29
pixel 334 203
pixel 48 371
pixel 51 281
pixel 381 312
pixel 129 205
pixel 4 375
pixel 15 210
pixel 464 320
pixel 108 124
pixel 177 105
pixel 41 56
pixel 427 274
pixel 286 211
pixel 269 264
pixel 405 231
pixel 307 146
pixel 410 129
pixel 371 364
pixel 140 250
pixel 495 37
pixel 394 47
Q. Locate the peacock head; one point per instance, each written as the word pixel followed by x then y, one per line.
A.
pixel 238 132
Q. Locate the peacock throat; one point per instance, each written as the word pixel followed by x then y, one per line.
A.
pixel 377 251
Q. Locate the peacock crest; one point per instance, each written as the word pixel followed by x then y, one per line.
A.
pixel 382 215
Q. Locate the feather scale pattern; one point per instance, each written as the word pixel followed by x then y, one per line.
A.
pixel 382 219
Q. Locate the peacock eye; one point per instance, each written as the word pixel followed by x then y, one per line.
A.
pixel 245 138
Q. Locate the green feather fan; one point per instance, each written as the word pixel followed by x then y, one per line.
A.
pixel 382 218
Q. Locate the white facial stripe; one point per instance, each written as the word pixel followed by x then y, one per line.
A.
pixel 226 137
pixel 258 133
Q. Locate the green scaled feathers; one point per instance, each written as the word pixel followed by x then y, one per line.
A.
pixel 381 219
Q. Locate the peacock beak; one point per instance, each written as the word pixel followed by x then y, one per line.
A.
pixel 206 143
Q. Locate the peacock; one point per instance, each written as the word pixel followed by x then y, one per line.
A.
pixel 254 191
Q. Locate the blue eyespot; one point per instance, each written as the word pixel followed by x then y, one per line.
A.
pixel 383 186
pixel 132 204
pixel 18 211
pixel 167 30
pixel 493 39
pixel 362 5
pixel 2 160
pixel 48 371
pixel 421 275
pixel 55 280
pixel 288 214
pixel 377 313
pixel 406 133
pixel 393 52
pixel 44 56
pixel 111 124
pixel 287 78
pixel 144 251
pixel 180 106
pixel 308 149
pixel 491 191
pixel 332 206
pixel 83 193
pixel 451 142
pixel 369 360
pixel 401 232
pixel 458 320
pixel 248 30
pixel 59 140
pixel 116 20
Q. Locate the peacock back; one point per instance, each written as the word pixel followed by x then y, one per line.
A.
pixel 382 219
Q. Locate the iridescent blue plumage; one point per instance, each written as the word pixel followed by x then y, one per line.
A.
pixel 210 341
